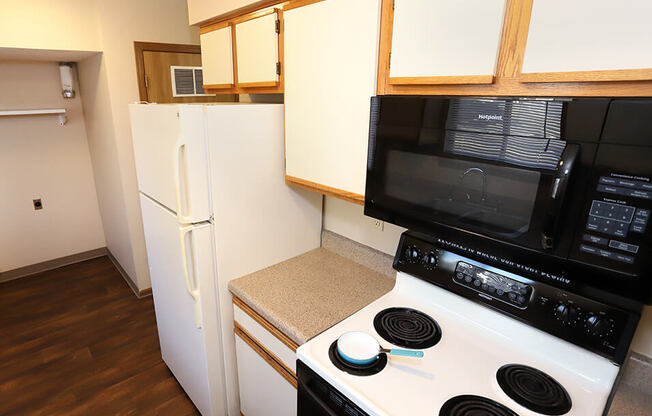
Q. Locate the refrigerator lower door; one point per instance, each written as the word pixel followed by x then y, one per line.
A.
pixel 170 149
pixel 182 270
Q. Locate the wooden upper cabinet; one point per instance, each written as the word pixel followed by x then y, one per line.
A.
pixel 444 41
pixel 257 51
pixel 589 40
pixel 331 54
pixel 217 58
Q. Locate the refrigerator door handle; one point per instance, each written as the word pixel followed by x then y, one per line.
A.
pixel 179 183
pixel 194 292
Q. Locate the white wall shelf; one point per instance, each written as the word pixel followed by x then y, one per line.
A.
pixel 61 112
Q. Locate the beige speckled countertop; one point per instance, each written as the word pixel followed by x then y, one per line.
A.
pixel 634 393
pixel 309 293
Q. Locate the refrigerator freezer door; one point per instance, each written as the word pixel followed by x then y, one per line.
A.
pixel 170 149
pixel 185 304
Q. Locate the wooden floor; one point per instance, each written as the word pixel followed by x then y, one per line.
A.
pixel 76 341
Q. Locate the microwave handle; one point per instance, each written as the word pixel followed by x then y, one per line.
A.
pixel 557 193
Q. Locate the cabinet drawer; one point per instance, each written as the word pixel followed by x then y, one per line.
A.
pixel 265 334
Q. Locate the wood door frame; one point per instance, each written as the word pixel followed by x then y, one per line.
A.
pixel 140 47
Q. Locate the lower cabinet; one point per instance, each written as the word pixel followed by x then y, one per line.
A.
pixel 266 361
pixel 263 391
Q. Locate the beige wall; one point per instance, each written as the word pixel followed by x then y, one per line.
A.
pixel 349 220
pixel 643 339
pixel 108 85
pixel 48 24
pixel 112 81
pixel 200 10
pixel 40 159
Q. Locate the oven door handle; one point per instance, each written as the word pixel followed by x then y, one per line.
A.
pixel 317 399
pixel 557 194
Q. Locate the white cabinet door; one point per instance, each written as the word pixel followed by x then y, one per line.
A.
pixel 263 391
pixel 217 57
pixel 257 50
pixel 589 35
pixel 444 38
pixel 331 54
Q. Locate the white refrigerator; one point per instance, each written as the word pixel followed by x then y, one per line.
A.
pixel 215 207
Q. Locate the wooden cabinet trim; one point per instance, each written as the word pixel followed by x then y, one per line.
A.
pixel 644 74
pixel 439 80
pixel 392 85
pixel 211 28
pixel 270 87
pixel 385 45
pixel 234 51
pixel 242 14
pixel 258 84
pixel 221 18
pixel 265 324
pixel 324 189
pixel 293 4
pixel 253 15
pixel 265 354
pixel 217 86
pixel 508 80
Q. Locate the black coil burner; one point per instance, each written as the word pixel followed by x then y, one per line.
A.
pixel 356 369
pixel 469 405
pixel 534 389
pixel 407 328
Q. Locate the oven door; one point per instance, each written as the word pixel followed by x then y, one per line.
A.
pixel 318 398
pixel 496 167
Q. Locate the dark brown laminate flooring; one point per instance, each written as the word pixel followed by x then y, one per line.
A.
pixel 76 341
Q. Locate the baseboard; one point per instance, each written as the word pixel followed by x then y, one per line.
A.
pixel 132 285
pixel 52 264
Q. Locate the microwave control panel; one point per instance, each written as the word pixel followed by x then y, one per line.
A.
pixel 618 222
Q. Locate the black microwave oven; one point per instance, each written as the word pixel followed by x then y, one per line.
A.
pixel 558 188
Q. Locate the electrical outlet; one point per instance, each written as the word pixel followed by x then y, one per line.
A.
pixel 379 225
pixel 37 204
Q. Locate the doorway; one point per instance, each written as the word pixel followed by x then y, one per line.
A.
pixel 171 73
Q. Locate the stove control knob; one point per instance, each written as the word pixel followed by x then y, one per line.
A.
pixel 412 254
pixel 599 326
pixel 430 260
pixel 566 313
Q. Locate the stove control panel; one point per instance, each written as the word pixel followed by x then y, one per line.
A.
pixel 493 285
pixel 585 322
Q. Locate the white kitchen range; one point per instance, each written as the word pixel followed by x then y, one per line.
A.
pixel 520 285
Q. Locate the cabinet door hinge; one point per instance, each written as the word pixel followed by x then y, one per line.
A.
pixel 393 4
pixel 278 26
pixel 278 68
